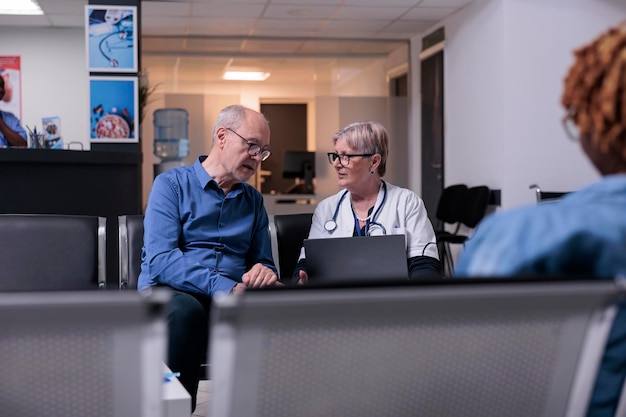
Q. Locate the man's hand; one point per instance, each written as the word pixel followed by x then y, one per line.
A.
pixel 259 276
pixel 238 289
pixel 304 278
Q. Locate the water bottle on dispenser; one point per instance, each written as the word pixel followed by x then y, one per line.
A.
pixel 171 142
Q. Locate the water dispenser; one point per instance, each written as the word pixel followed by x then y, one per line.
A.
pixel 171 141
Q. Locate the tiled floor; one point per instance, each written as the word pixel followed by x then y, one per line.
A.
pixel 202 403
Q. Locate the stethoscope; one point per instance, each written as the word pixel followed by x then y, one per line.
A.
pixel 331 224
pixel 125 35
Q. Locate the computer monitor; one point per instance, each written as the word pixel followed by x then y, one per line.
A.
pixel 299 164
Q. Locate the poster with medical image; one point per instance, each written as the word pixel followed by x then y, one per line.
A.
pixel 111 38
pixel 114 106
pixel 10 71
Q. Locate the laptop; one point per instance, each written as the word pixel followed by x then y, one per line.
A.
pixel 455 348
pixel 354 259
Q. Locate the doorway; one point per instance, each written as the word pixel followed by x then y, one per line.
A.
pixel 432 131
pixel 288 125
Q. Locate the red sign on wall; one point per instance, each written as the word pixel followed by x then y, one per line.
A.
pixel 10 70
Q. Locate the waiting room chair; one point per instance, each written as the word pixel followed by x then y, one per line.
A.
pixel 473 207
pixel 82 353
pixel 546 195
pixel 490 349
pixel 52 252
pixel 130 239
pixel 287 232
pixel 449 209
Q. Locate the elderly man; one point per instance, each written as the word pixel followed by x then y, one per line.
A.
pixel 206 232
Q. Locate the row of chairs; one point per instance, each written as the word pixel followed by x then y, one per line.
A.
pixel 287 231
pixel 46 252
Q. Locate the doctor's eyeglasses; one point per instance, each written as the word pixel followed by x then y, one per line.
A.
pixel 344 158
pixel 253 148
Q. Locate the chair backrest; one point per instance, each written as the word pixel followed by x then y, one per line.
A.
pixel 449 207
pixel 41 252
pixel 130 238
pixel 287 232
pixel 475 205
pixel 547 195
pixel 493 349
pixel 78 353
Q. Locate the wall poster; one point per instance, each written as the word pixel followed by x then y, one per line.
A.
pixel 10 71
pixel 111 38
pixel 113 109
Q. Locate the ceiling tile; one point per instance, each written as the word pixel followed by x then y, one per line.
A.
pixel 171 25
pixel 63 7
pixel 27 20
pixel 290 24
pixel 428 13
pixel 150 9
pixel 389 3
pixel 233 10
pixel 369 26
pixel 309 2
pixel 282 11
pixel 445 3
pixel 369 12
pixel 274 46
pixel 409 26
pixel 62 20
pixel 220 27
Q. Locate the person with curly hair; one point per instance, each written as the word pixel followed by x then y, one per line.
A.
pixel 583 233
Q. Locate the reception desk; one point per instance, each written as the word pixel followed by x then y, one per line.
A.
pixel 98 183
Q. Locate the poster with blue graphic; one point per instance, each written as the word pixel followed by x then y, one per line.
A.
pixel 111 38
pixel 114 105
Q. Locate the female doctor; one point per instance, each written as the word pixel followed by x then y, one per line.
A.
pixel 370 206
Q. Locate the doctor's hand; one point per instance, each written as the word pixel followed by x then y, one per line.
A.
pixel 304 278
pixel 259 276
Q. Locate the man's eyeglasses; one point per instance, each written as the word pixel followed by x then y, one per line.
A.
pixel 253 148
pixel 344 158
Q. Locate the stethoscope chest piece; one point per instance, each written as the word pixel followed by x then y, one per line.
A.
pixel 330 225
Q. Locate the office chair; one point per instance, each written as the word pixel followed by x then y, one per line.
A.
pixel 473 208
pixel 449 209
pixel 287 232
pixel 546 195
pixel 130 240
pixel 52 252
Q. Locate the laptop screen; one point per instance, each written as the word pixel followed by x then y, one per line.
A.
pixel 347 259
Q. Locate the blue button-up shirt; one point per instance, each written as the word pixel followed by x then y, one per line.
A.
pixel 13 123
pixel 198 239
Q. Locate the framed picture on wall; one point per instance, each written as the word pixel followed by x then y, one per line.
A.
pixel 11 73
pixel 113 109
pixel 111 38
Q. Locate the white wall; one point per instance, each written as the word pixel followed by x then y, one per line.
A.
pixel 55 78
pixel 505 61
